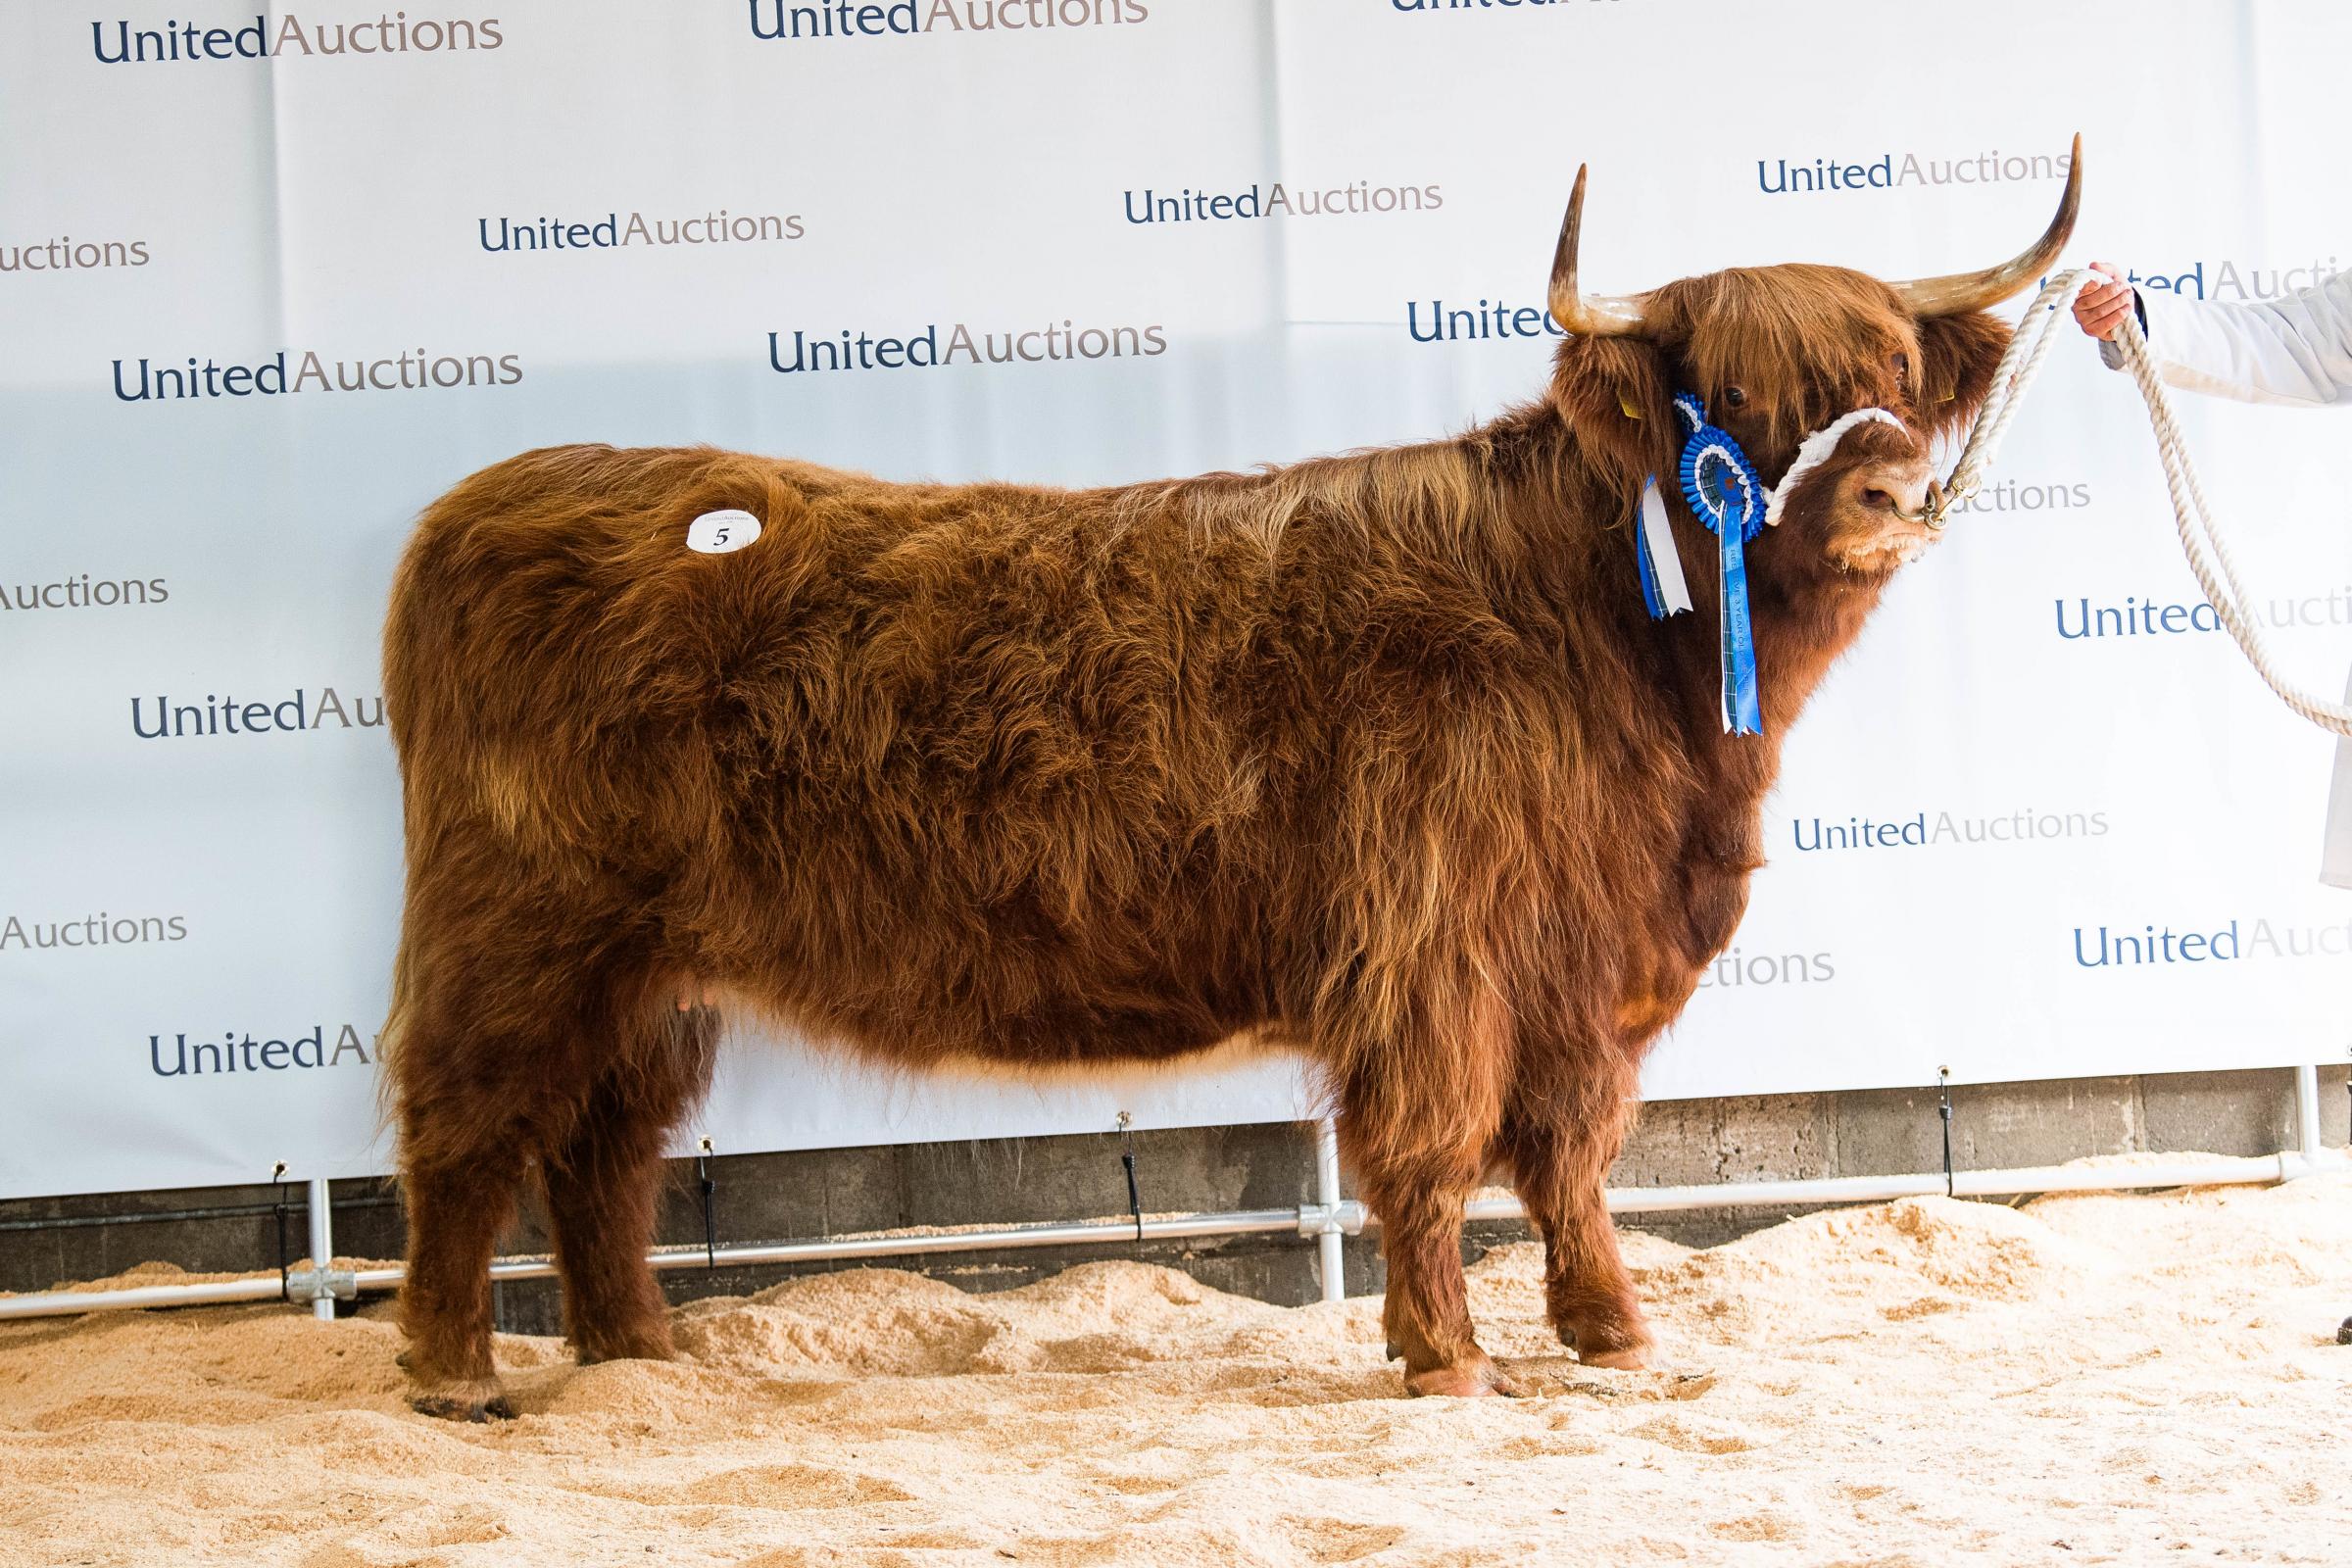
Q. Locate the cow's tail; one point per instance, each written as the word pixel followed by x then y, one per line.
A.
pixel 412 706
pixel 390 1039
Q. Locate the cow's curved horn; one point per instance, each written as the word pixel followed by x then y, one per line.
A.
pixel 1975 291
pixel 1588 315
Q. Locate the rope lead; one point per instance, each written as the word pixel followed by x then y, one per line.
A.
pixel 2201 541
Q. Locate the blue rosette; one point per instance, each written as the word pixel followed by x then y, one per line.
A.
pixel 1724 492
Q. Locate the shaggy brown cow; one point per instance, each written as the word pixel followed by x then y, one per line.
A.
pixel 1374 756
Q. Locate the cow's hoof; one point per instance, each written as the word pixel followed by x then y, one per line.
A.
pixel 1620 1344
pixel 464 1402
pixel 1470 1381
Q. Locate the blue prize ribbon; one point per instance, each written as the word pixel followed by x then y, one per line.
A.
pixel 1726 495
pixel 1652 599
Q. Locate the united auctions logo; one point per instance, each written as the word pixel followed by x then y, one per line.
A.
pixel 1919 830
pixel 1278 200
pixel 1780 178
pixel 1740 969
pixel 2012 494
pixel 64 255
pixel 226 716
pixel 881 19
pixel 288 37
pixel 2104 947
pixel 2138 618
pixel 1489 320
pixel 80 593
pixel 926 350
pixel 2228 281
pixel 233 1053
pixel 1409 6
pixel 98 930
pixel 613 232
pixel 413 371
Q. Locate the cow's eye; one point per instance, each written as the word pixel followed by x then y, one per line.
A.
pixel 1902 366
pixel 1733 398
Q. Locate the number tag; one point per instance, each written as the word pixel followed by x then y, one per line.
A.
pixel 716 534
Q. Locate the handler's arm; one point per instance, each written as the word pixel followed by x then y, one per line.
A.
pixel 2296 349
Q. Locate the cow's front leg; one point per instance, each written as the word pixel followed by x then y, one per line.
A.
pixel 1563 1131
pixel 1426 1313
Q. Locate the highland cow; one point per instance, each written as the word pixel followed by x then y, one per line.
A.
pixel 1378 758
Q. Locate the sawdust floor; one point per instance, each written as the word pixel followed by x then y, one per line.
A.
pixel 2085 1380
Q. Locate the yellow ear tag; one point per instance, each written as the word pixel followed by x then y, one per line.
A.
pixel 1948 397
pixel 1627 404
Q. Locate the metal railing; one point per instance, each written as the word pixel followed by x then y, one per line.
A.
pixel 1328 1221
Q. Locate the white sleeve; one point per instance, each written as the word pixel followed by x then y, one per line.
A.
pixel 2296 349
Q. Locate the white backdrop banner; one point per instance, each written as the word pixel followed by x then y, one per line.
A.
pixel 273 279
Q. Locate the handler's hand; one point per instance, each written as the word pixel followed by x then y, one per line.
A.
pixel 2100 309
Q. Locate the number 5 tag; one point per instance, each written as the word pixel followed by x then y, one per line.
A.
pixel 716 534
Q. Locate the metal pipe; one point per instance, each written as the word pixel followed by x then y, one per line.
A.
pixel 835 1247
pixel 322 1246
pixel 2220 1171
pixel 1349 1215
pixel 2307 1116
pixel 2215 1172
pixel 1330 1244
pixel 63 1304
pixel 174 1216
pixel 1774 1194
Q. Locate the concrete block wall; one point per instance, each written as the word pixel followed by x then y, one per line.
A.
pixel 780 1196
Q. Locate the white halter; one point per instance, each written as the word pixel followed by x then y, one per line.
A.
pixel 1815 451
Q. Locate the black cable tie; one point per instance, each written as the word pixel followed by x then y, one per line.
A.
pixel 701 1167
pixel 277 1179
pixel 1135 1195
pixel 1944 1079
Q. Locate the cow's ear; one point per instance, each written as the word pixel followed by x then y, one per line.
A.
pixel 1958 355
pixel 1615 394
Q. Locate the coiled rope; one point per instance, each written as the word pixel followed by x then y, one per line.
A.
pixel 2207 555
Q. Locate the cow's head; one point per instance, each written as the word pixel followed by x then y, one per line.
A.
pixel 1779 353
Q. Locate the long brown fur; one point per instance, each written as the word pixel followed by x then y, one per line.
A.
pixel 1376 755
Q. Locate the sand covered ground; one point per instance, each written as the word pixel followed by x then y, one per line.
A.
pixel 2085 1380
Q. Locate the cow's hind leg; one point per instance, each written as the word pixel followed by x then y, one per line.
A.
pixel 1560 1139
pixel 603 1185
pixel 1416 1122
pixel 493 1055
pixel 456 1209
